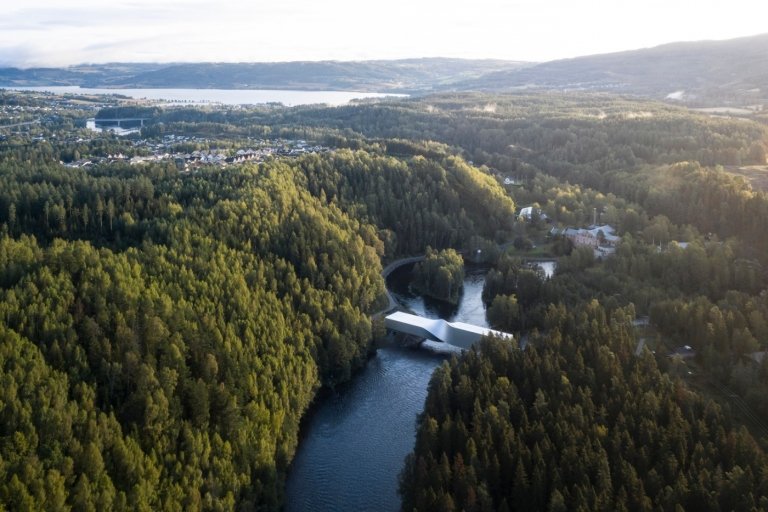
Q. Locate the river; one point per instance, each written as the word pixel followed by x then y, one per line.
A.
pixel 354 442
pixel 223 96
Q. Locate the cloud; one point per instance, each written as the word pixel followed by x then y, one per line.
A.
pixel 16 56
pixel 33 55
pixel 42 32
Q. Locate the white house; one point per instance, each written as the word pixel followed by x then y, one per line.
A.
pixel 529 211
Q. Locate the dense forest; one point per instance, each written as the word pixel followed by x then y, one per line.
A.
pixel 692 259
pixel 187 359
pixel 163 331
pixel 576 422
pixel 664 158
pixel 440 275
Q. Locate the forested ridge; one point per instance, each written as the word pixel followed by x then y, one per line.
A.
pixel 163 333
pixel 437 200
pixel 510 423
pixel 632 148
pixel 576 422
pixel 197 350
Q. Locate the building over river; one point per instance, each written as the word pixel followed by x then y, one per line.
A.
pixel 455 333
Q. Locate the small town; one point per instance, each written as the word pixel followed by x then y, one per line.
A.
pixel 164 150
pixel 40 117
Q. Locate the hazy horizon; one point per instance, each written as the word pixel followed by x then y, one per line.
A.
pixel 40 33
pixel 392 59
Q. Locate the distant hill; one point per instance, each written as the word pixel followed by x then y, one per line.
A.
pixel 704 72
pixel 408 75
pixel 84 75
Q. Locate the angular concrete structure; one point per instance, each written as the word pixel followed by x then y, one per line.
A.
pixel 455 333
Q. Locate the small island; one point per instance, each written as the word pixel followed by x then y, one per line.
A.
pixel 440 275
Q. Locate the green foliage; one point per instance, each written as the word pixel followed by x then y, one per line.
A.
pixel 575 422
pixel 440 275
pixel 176 351
pixel 704 293
pixel 187 346
pixel 132 111
pixel 443 203
pixel 504 313
pixel 164 333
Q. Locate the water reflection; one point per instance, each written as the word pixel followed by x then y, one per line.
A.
pixel 470 309
pixel 355 441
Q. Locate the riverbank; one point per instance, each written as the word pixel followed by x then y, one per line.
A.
pixel 354 439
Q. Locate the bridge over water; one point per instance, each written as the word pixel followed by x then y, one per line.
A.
pixel 118 120
pixel 458 334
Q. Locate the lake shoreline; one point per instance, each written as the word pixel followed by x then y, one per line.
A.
pixel 191 96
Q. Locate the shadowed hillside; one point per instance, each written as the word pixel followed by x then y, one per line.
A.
pixel 407 75
pixel 704 72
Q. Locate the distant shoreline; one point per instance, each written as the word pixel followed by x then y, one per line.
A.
pixel 287 97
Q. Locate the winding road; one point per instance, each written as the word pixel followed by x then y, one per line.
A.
pixel 391 267
pixel 392 303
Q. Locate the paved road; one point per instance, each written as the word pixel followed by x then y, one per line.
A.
pixel 392 303
pixel 37 121
pixel 399 263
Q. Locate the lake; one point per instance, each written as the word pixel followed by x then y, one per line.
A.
pixel 223 96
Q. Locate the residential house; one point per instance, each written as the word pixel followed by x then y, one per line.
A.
pixel 529 212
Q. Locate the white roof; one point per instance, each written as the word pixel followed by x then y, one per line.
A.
pixel 456 333
pixel 606 228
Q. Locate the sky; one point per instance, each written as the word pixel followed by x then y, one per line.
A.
pixel 68 32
